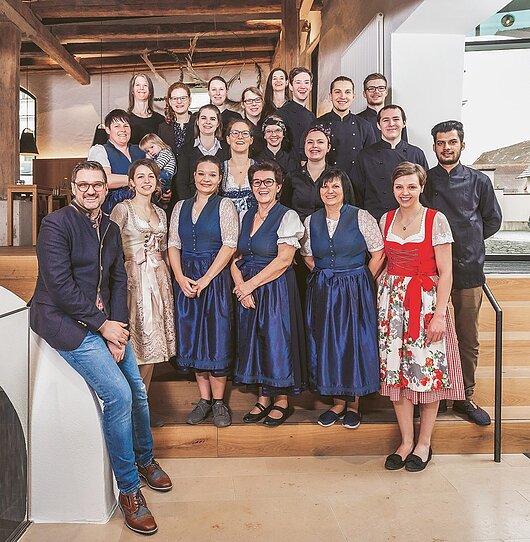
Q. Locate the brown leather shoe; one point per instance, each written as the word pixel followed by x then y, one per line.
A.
pixel 155 477
pixel 138 518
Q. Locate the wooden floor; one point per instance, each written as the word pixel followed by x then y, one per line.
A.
pixel 172 397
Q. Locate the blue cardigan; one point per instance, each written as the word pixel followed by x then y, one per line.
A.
pixel 73 264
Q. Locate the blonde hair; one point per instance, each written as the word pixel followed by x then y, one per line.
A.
pixel 152 138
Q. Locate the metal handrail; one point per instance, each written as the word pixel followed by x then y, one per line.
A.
pixel 497 428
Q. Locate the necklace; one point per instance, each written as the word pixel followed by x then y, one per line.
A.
pixel 263 217
pixel 405 226
pixel 143 217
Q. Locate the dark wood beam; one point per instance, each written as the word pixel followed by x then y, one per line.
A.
pixel 291 34
pixel 132 64
pixel 79 33
pixel 9 121
pixel 22 17
pixel 92 50
pixel 160 8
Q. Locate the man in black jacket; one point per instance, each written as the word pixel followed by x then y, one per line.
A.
pixel 372 173
pixel 467 199
pixel 80 308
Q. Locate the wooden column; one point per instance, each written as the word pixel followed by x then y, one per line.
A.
pixel 290 34
pixel 9 105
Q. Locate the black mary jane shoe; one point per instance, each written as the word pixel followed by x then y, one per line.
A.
pixel 253 418
pixel 414 463
pixel 395 462
pixel 273 422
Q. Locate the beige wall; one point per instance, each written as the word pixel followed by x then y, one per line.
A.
pixel 67 112
pixel 342 21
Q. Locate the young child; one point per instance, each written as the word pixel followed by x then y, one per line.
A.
pixel 162 154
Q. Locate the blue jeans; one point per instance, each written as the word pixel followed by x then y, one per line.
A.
pixel 125 409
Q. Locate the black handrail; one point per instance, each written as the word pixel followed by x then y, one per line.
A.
pixel 497 429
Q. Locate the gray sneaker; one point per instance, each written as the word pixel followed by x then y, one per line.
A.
pixel 200 412
pixel 221 414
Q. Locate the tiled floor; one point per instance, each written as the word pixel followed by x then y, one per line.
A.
pixel 328 499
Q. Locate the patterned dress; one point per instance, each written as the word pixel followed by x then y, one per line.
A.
pixel 149 292
pixel 406 303
pixel 242 196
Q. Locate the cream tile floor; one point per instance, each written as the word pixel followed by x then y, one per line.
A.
pixel 465 498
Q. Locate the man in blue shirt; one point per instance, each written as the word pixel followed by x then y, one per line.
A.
pixel 467 199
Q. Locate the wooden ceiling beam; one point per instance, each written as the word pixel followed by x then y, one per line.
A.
pixel 164 8
pixel 79 33
pixel 22 17
pixel 92 50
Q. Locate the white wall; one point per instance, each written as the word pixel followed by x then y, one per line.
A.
pixel 67 112
pixel 496 112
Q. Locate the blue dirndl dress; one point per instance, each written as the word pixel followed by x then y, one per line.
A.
pixel 341 310
pixel 205 325
pixel 271 343
pixel 119 164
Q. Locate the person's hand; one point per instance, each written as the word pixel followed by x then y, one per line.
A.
pixel 187 286
pixel 243 289
pixel 201 285
pixel 117 353
pixel 115 332
pixel 166 196
pixel 248 302
pixel 435 330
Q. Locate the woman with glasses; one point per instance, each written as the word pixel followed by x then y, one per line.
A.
pixel 202 239
pixel 235 184
pixel 150 297
pixel 177 128
pixel 274 132
pixel 271 345
pixel 142 116
pixel 341 317
pixel 276 91
pixel 207 142
pixel 252 104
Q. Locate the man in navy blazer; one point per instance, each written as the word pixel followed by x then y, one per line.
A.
pixel 80 308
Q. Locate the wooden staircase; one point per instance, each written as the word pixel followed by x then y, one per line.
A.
pixel 173 397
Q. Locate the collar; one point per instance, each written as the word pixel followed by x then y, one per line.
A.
pixel 371 112
pixel 386 145
pixel 96 221
pixel 207 152
pixel 457 171
pixel 338 118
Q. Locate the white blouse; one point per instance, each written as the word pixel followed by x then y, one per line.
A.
pixel 441 231
pixel 229 223
pixel 290 230
pixel 367 226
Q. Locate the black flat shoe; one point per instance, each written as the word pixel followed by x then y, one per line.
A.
pixel 414 463
pixel 273 422
pixel 253 418
pixel 395 462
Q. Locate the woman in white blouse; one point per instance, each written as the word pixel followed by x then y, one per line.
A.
pixel 202 239
pixel 340 301
pixel 271 345
pixel 420 363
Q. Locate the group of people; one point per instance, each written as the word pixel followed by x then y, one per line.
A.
pixel 302 253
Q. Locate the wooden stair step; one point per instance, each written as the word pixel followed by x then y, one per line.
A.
pixel 255 440
pixel 509 287
pixel 515 315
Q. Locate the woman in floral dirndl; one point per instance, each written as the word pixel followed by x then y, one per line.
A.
pixel 420 363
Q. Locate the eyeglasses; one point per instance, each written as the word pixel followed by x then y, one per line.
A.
pixel 240 133
pixel 373 89
pixel 83 187
pixel 266 182
pixel 250 101
pixel 274 131
pixel 178 98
